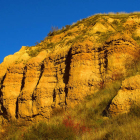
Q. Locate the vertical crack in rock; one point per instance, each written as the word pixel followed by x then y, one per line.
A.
pixel 42 69
pixel 103 61
pixel 105 65
pixel 2 82
pixel 99 57
pixel 23 80
pixel 16 113
pixel 67 72
pixel 2 109
pixel 106 60
pixel 33 96
pixel 41 72
pixel 22 86
pixel 54 95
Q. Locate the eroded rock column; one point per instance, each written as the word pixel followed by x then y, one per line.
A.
pixel 33 72
pixel 11 89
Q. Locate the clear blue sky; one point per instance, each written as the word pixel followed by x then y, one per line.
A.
pixel 25 22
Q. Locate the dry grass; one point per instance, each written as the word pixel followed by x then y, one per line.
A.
pixel 88 120
pixel 82 27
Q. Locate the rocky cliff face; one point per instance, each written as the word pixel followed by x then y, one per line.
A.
pixel 127 97
pixel 32 87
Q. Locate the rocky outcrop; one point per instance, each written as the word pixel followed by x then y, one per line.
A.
pixel 31 77
pixel 122 52
pixel 32 88
pixel 127 97
pixel 11 88
pixel 11 75
pixel 85 71
pixel 50 92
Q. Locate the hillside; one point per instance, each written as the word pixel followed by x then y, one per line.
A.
pixel 90 69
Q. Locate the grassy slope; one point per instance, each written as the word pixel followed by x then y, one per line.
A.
pixel 84 30
pixel 90 119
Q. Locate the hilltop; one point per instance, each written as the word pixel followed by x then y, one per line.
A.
pixel 90 67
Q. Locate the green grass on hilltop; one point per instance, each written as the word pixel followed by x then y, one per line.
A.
pixel 71 33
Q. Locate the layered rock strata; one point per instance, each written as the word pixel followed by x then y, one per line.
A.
pixel 62 78
pixel 128 96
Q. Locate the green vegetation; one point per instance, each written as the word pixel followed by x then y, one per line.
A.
pixel 55 30
pixel 103 36
pixel 94 107
pixel 136 38
pixel 44 131
pixel 76 39
pixel 84 25
pixel 33 52
pixel 92 21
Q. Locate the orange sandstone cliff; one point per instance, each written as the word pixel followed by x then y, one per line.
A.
pixel 68 65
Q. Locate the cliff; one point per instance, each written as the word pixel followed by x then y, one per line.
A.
pixel 68 65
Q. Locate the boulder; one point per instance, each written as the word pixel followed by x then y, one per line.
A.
pixel 127 96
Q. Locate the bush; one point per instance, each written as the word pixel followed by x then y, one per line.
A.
pixel 115 22
pixel 53 31
pixel 50 45
pixel 76 127
pixel 104 36
pixel 35 52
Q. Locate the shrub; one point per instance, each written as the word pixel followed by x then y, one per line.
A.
pixel 115 22
pixel 76 127
pixel 34 53
pixel 67 27
pixel 50 45
pixel 123 20
pixel 69 33
pixel 104 36
pixel 53 31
